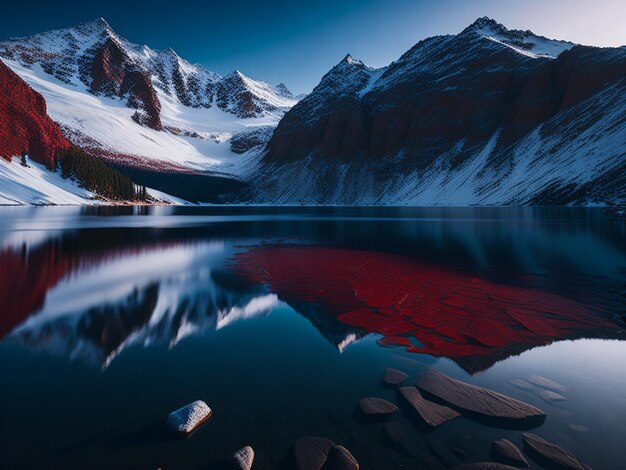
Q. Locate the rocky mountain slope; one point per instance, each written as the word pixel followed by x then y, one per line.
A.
pixel 487 116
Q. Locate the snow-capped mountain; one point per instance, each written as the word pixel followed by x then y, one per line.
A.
pixel 487 116
pixel 137 106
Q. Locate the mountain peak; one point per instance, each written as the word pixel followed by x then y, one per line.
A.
pixel 282 89
pixel 236 74
pixel 348 59
pixel 95 25
pixel 484 25
pixel 526 42
pixel 172 53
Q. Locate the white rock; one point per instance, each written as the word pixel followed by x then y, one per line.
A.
pixel 189 417
pixel 243 458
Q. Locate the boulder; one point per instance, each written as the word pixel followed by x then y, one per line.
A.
pixel 394 376
pixel 505 451
pixel 242 459
pixel 550 455
pixel 317 453
pixel 189 417
pixel 431 413
pixel 340 458
pixel 311 452
pixel 474 399
pixel 374 406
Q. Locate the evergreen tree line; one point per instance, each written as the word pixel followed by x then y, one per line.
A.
pixel 96 176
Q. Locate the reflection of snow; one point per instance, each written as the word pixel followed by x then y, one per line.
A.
pixel 153 297
pixel 347 341
pixel 183 267
pixel 255 307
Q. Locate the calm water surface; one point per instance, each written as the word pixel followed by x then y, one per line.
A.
pixel 282 319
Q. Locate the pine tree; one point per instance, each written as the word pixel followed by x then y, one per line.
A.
pixel 95 175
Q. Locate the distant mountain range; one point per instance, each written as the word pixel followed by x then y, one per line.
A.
pixel 489 116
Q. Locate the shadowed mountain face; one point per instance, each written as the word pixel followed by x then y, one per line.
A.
pixel 487 116
pixel 424 308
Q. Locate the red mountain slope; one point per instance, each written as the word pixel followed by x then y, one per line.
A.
pixel 24 122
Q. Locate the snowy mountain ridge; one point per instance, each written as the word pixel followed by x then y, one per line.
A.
pixel 487 116
pixel 138 107
pixel 67 53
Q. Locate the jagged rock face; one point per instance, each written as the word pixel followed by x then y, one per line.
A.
pixel 24 123
pixel 113 73
pixel 439 105
pixel 192 85
pixel 234 94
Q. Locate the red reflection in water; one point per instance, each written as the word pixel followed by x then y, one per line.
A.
pixel 25 280
pixel 26 276
pixel 451 313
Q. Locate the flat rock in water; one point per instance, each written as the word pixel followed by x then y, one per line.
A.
pixel 189 417
pixel 431 413
pixel 243 459
pixel 546 383
pixel 374 406
pixel 340 458
pixel 550 454
pixel 485 466
pixel 311 452
pixel 394 376
pixel 506 452
pixel 549 395
pixel 472 398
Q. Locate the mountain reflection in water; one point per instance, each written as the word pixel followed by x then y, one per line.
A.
pixel 90 294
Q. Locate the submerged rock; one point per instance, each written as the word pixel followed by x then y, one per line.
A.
pixel 578 428
pixel 396 433
pixel 522 384
pixel 394 376
pixel 340 458
pixel 549 395
pixel 189 417
pixel 546 383
pixel 549 454
pixel 475 399
pixel 317 453
pixel 242 459
pixel 431 413
pixel 485 466
pixel 374 406
pixel 311 452
pixel 506 452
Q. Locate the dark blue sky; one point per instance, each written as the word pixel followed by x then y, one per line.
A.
pixel 296 42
